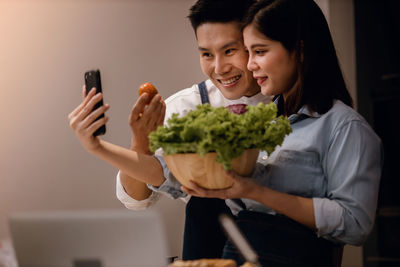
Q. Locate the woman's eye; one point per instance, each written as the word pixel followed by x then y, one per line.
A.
pixel 259 52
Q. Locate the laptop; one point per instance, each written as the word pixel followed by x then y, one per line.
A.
pixel 94 238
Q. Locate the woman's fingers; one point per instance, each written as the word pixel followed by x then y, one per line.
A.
pixel 199 191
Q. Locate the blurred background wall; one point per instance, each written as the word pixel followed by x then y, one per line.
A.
pixel 46 46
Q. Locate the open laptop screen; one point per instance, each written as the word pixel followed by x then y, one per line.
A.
pixel 96 238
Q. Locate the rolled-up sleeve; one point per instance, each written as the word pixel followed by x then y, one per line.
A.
pixel 131 203
pixel 353 170
pixel 171 187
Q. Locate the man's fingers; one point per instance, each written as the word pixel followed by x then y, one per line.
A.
pixel 96 125
pixel 160 119
pixel 154 112
pixel 159 114
pixel 88 104
pixel 138 108
pixel 86 99
pixel 150 114
pixel 153 105
pixel 83 91
pixel 92 117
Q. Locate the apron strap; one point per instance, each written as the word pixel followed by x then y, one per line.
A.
pixel 203 92
pixel 203 236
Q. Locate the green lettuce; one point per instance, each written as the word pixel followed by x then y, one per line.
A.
pixel 208 129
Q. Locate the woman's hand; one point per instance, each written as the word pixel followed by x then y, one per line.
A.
pixel 83 121
pixel 144 118
pixel 242 187
pixel 300 209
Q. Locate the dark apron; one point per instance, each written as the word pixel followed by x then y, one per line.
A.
pixel 203 237
pixel 283 242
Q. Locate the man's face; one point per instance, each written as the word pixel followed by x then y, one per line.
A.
pixel 223 59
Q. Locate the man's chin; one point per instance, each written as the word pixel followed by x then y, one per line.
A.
pixel 230 95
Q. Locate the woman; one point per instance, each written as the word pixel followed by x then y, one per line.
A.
pixel 319 189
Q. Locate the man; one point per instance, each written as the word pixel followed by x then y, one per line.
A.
pixel 224 60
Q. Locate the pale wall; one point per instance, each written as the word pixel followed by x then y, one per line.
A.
pixel 45 47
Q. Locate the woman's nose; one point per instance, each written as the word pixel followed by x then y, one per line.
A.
pixel 251 65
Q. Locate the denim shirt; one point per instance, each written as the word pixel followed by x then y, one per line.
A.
pixel 334 158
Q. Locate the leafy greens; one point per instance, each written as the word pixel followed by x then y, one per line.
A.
pixel 208 129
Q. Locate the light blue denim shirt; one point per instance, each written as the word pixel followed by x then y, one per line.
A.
pixel 334 158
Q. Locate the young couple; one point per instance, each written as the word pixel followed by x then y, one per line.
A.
pixel 317 190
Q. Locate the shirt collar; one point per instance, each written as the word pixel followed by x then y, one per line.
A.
pixel 301 114
pixel 306 111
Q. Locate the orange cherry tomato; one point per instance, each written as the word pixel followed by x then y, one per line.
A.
pixel 149 89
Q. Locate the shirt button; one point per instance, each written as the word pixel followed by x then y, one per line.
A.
pixel 265 157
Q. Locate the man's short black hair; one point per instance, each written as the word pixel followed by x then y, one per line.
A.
pixel 222 11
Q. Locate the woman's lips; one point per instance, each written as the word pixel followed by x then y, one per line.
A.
pixel 261 80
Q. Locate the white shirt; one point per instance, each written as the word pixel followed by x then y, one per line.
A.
pixel 182 102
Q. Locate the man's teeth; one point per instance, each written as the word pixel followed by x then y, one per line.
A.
pixel 231 80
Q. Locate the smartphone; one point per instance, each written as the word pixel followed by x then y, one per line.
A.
pixel 92 79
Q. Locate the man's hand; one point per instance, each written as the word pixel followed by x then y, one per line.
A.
pixel 242 187
pixel 83 121
pixel 144 118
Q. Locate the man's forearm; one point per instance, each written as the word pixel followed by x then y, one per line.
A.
pixel 144 168
pixel 134 188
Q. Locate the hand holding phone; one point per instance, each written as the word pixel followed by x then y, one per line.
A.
pixel 92 79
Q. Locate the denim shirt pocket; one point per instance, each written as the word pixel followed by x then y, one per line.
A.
pixel 296 172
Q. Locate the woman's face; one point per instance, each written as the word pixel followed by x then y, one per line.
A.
pixel 273 66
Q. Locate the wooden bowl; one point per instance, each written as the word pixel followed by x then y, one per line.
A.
pixel 205 171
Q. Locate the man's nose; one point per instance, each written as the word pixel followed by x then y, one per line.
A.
pixel 222 66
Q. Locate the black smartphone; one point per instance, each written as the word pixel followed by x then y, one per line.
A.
pixel 92 79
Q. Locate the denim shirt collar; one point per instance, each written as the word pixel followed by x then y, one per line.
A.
pixel 302 113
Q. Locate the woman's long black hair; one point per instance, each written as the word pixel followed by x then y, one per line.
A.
pixel 301 27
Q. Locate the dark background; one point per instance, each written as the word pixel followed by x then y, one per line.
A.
pixel 377 27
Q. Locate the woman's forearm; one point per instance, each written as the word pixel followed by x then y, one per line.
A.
pixel 298 208
pixel 144 168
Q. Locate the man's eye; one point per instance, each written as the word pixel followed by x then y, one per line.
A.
pixel 205 54
pixel 229 51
